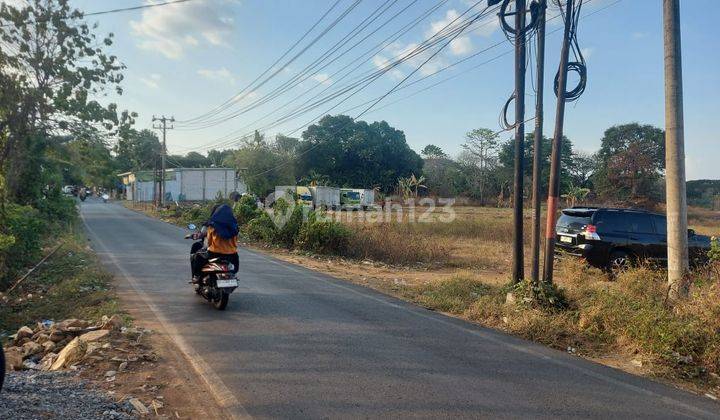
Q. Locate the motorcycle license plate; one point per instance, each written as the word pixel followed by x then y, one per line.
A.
pixel 227 283
pixel 566 239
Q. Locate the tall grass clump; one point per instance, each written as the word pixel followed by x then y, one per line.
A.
pixel 323 236
pixel 454 295
pixel 389 243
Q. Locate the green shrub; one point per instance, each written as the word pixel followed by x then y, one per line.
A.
pixel 21 228
pixel 57 208
pixel 323 237
pixel 714 253
pixel 288 225
pixel 261 228
pixel 246 210
pixel 542 296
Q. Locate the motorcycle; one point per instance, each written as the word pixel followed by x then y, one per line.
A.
pixel 105 198
pixel 218 278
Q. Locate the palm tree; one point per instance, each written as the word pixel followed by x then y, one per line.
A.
pixel 575 194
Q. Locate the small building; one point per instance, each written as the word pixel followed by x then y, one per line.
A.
pixel 183 184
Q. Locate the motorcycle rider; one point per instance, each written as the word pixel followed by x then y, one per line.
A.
pixel 220 241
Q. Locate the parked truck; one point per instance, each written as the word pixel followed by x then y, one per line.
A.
pixel 303 195
pixel 367 198
pixel 325 197
pixel 356 198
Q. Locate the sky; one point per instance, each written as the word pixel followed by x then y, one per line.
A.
pixel 186 59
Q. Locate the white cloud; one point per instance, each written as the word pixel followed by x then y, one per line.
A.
pixel 587 52
pixel 461 45
pixel 438 25
pixel 639 35
pixel 322 78
pixel 151 81
pixel 172 29
pixel 222 74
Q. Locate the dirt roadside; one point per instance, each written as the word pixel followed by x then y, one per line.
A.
pixel 138 360
pixel 185 392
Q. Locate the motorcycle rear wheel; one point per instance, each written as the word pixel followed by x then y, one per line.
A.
pixel 221 303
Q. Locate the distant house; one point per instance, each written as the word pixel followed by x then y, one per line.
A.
pixel 183 184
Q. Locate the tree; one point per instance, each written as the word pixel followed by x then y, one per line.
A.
pixel 136 150
pixel 575 194
pixel 219 158
pixel 53 65
pixel 433 152
pixel 507 160
pixel 445 177
pixel 581 168
pixel 286 145
pixel 261 166
pixel 190 160
pixel 355 153
pixel 482 144
pixel 631 162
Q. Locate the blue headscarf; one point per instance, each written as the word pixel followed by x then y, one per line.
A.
pixel 224 222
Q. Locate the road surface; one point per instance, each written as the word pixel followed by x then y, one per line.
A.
pixel 295 343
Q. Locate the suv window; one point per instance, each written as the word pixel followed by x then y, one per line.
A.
pixel 574 220
pixel 612 221
pixel 660 225
pixel 640 223
pixel 627 222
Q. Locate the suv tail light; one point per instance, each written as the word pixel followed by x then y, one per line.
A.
pixel 591 232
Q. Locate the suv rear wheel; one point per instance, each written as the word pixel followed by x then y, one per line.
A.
pixel 619 262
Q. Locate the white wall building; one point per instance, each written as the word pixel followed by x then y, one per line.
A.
pixel 184 184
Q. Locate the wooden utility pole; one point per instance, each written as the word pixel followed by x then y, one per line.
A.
pixel 518 259
pixel 537 147
pixel 554 186
pixel 675 195
pixel 164 127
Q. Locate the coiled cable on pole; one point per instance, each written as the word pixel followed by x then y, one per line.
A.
pixel 503 120
pixel 509 29
pixel 578 65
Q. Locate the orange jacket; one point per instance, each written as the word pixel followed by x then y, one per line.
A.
pixel 219 245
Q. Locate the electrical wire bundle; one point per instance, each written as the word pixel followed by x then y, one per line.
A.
pixel 450 31
pixel 526 33
pixel 578 64
pixel 435 42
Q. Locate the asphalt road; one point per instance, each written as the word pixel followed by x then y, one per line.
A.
pixel 294 343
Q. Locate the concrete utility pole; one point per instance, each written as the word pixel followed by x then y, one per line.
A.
pixel 164 127
pixel 677 233
pixel 554 187
pixel 537 147
pixel 518 269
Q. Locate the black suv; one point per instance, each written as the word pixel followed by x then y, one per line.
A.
pixel 610 238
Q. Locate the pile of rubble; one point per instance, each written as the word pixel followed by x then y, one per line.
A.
pixel 55 346
pixel 99 351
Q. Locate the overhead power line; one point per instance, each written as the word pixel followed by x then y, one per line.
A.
pixel 227 140
pixel 350 65
pixel 451 29
pixel 110 11
pixel 270 67
pixel 235 98
pixel 446 32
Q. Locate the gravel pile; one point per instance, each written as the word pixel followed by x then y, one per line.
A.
pixel 43 395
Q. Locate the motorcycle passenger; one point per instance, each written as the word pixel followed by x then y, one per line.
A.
pixel 220 241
